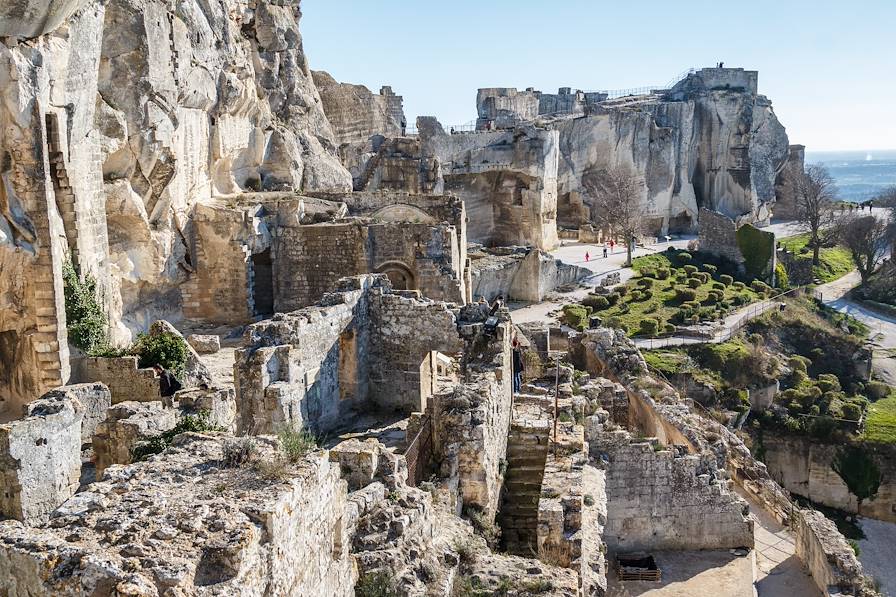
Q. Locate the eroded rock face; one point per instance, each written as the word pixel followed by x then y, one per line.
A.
pixel 116 119
pixel 356 113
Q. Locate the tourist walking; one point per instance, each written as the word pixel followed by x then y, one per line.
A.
pixel 496 306
pixel 168 384
pixel 605 250
pixel 587 256
pixel 518 366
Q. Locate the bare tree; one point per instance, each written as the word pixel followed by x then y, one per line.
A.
pixel 616 195
pixel 886 198
pixel 814 192
pixel 867 238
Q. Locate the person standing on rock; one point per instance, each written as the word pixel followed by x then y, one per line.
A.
pixel 518 366
pixel 168 384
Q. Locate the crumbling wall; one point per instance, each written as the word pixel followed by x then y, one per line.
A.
pixel 522 275
pixel 126 424
pixel 786 207
pixel 121 375
pixel 95 400
pixel 40 459
pixel 660 498
pixel 805 467
pixel 831 560
pixel 505 107
pixel 223 530
pixel 407 331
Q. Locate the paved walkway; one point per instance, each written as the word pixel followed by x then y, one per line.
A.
pixel 779 573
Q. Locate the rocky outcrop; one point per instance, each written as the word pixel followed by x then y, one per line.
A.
pixel 709 142
pixel 118 117
pixel 356 113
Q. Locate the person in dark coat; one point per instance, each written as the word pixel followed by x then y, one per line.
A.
pixel 518 366
pixel 168 384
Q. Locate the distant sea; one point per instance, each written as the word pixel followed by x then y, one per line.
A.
pixel 859 175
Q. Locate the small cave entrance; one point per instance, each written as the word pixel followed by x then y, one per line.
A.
pixel 263 283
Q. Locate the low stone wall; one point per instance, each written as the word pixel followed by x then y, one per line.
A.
pixel 121 375
pixel 522 276
pixel 128 423
pixel 40 460
pixel 830 559
pixel 806 467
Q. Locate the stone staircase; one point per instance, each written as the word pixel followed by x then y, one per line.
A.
pixel 527 450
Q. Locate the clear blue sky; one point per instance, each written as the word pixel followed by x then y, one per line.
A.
pixel 829 67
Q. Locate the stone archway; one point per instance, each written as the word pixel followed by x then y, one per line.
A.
pixel 399 274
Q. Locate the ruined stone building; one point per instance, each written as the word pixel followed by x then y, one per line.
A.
pixel 347 415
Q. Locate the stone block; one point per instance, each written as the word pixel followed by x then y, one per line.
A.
pixel 40 458
pixel 205 343
pixel 95 399
pixel 126 424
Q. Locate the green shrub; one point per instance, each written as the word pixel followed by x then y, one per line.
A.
pixel 646 295
pixel 694 283
pixel 166 349
pixel 376 584
pixel 612 298
pixel 669 328
pixel 598 303
pixel 575 316
pixel 159 443
pixel 738 285
pixel 782 281
pixel 635 295
pixel 726 279
pixel 704 277
pixel 710 268
pixel 683 257
pixel 712 298
pixel 616 322
pixel 649 327
pixel 648 272
pixel 858 470
pixel 296 443
pixel 685 294
pixel 662 273
pixel 877 390
pixel 84 315
pixel 718 286
pixel 645 282
pixel 828 382
pixel 690 270
pixel 622 290
pixel 760 287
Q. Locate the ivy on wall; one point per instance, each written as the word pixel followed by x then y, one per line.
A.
pixel 757 248
pixel 858 470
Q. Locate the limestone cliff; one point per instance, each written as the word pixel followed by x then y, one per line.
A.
pixel 711 141
pixel 116 118
pixel 356 113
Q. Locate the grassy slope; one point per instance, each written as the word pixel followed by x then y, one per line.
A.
pixel 835 261
pixel 880 426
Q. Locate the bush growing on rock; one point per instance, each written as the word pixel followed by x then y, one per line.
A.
pixel 575 316
pixel 166 349
pixel 84 314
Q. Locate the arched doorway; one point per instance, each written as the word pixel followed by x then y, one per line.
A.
pixel 400 275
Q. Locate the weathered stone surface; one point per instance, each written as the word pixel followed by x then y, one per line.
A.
pixel 204 343
pixel 356 114
pixel 30 18
pixel 519 274
pixel 126 424
pixel 94 398
pixel 184 523
pixel 40 459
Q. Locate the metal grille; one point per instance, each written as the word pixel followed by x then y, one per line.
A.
pixel 419 453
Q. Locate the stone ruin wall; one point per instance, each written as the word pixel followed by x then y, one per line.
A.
pixel 786 207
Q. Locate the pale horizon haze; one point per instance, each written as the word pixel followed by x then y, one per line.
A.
pixel 828 67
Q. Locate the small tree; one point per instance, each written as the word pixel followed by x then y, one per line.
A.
pixel 813 191
pixel 616 195
pixel 886 198
pixel 867 238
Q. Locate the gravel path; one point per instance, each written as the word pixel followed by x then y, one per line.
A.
pixel 876 553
